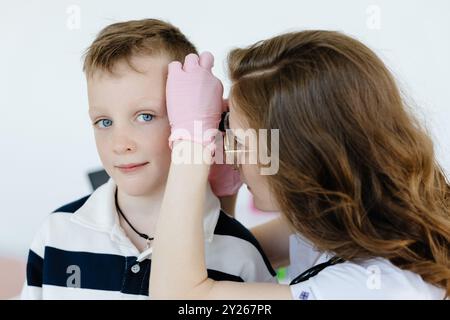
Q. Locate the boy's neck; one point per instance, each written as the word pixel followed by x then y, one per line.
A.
pixel 141 211
pixel 140 206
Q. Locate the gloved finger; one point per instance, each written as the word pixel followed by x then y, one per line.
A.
pixel 190 62
pixel 174 66
pixel 207 60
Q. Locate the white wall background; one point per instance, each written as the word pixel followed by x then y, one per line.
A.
pixel 46 141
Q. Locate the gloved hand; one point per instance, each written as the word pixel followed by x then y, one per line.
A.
pixel 224 179
pixel 193 94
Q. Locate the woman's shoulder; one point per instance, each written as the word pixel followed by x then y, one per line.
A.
pixel 369 279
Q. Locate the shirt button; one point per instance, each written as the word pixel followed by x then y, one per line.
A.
pixel 135 268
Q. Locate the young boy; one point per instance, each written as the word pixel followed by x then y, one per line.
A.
pixel 89 248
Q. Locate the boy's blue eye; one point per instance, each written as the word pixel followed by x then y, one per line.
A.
pixel 147 117
pixel 104 123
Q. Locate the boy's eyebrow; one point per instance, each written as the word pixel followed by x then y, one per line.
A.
pixel 93 108
pixel 150 104
pixel 142 103
pixel 138 106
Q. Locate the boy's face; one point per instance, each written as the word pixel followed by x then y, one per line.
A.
pixel 128 113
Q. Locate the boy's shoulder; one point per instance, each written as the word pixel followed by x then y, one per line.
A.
pixel 59 222
pixel 55 227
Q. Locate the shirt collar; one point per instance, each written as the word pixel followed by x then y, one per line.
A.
pixel 99 211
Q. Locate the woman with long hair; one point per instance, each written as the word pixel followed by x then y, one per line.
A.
pixel 364 206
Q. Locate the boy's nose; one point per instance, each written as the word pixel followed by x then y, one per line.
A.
pixel 123 144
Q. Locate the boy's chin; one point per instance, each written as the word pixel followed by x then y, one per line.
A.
pixel 136 189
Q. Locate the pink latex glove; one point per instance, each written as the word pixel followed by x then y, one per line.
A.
pixel 223 178
pixel 194 94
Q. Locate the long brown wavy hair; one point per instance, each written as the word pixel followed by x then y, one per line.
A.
pixel 357 174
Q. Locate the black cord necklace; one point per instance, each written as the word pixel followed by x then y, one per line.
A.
pixel 311 272
pixel 142 235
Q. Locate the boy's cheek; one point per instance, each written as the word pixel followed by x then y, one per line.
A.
pixel 101 145
pixel 106 161
pixel 159 146
pixel 103 150
pixel 157 138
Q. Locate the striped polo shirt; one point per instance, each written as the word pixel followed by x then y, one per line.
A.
pixel 81 252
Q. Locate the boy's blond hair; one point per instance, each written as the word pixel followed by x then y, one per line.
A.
pixel 120 41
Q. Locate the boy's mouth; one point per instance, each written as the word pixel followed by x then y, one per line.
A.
pixel 130 167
